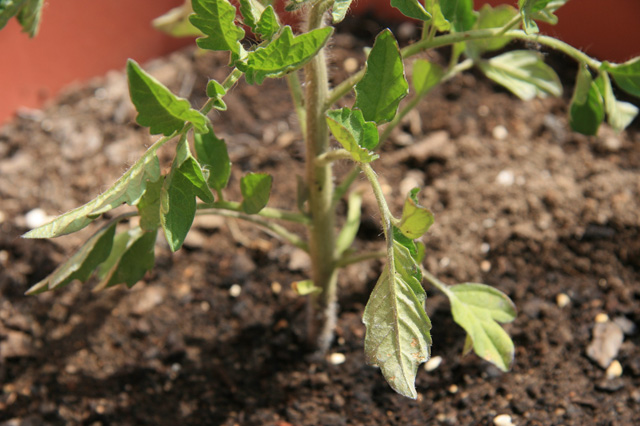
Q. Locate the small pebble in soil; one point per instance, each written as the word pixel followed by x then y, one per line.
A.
pixel 36 217
pixel 276 287
pixel 500 132
pixel 453 389
pixel 433 363
pixel 606 342
pixel 614 369
pixel 505 178
pixel 601 318
pixel 2 216
pixel 502 420
pixel 337 358
pixel 485 266
pixel 562 300
pixel 485 248
pixel 350 65
pixel 235 290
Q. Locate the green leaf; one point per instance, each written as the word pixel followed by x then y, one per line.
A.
pixel 251 11
pixel 478 308
pixel 176 22
pixel 129 261
pixel 383 86
pixel 255 189
pixel 397 338
pixel 619 114
pixel 213 156
pixel 542 10
pixel 305 287
pixel 268 24
pixel 425 75
pixel 409 244
pixel 29 16
pixel 178 196
pixel 411 8
pixel 284 54
pixel 352 224
pixel 9 9
pixel 626 76
pixel 492 17
pixel 459 13
pixel 524 73
pixel 158 108
pixel 128 189
pixel 437 18
pixel 149 206
pixel 416 220
pixel 216 19
pixel 81 265
pixel 586 111
pixel 356 135
pixel 216 91
pixel 339 10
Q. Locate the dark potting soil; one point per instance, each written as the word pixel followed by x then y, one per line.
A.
pixel 214 335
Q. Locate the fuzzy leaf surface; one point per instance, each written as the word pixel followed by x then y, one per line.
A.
pixel 214 158
pixel 478 308
pixel 256 189
pixel 284 54
pixel 459 13
pixel 268 24
pixel 626 76
pixel 437 18
pixel 619 114
pixel 131 261
pixel 251 11
pixel 524 73
pixel 397 338
pixel 356 135
pixel 416 219
pixel 216 91
pixel 158 108
pixel 82 263
pixel 216 19
pixel 492 17
pixel 149 206
pixel 425 75
pixel 412 8
pixel 128 189
pixel 586 111
pixel 339 10
pixel 178 197
pixel 384 85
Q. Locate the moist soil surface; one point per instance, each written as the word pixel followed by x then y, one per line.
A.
pixel 214 334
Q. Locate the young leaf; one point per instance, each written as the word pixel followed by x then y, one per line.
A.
pixel 524 73
pixel 350 228
pixel 354 134
pixel 586 111
pixel 255 189
pixel 131 261
pixel 339 10
pixel 212 154
pixel 384 85
pixel 478 308
pixel 149 206
pixel 176 22
pixel 541 10
pixel 268 24
pixel 397 338
pixel 284 54
pixel 81 265
pixel 492 17
pixel 9 9
pixel 411 8
pixel 29 16
pixel 619 114
pixel 251 11
pixel 216 91
pixel 626 76
pixel 305 287
pixel 216 19
pixel 459 13
pixel 416 220
pixel 128 189
pixel 437 18
pixel 178 196
pixel 547 14
pixel 425 75
pixel 158 108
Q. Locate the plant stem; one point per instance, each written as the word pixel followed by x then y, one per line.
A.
pixel 295 88
pixel 267 212
pixel 360 258
pixel 322 307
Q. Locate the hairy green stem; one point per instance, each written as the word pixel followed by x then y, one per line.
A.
pixel 387 218
pixel 274 228
pixel 435 281
pixel 331 156
pixel 322 307
pixel 267 212
pixel 297 95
